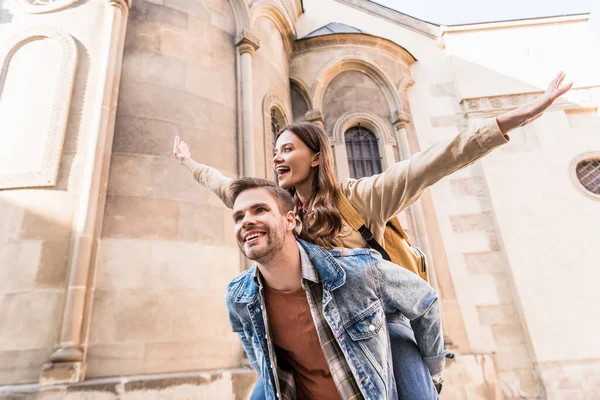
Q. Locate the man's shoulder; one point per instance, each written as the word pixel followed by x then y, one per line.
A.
pixel 238 284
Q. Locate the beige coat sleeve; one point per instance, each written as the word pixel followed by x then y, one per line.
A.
pixel 382 196
pixel 215 181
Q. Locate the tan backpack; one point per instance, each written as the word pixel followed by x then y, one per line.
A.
pixel 397 247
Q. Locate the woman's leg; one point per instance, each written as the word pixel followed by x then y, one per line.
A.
pixel 410 371
pixel 258 393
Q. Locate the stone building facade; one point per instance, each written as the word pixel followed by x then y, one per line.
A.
pixel 113 262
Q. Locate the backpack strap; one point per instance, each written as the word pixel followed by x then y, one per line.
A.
pixel 357 223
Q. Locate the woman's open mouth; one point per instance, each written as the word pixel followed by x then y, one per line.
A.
pixel 282 172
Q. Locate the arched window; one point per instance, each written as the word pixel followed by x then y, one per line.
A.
pixel 588 174
pixel 363 152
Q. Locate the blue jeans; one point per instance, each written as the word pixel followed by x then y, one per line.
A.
pixel 410 371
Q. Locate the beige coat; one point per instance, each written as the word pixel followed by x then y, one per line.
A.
pixel 380 197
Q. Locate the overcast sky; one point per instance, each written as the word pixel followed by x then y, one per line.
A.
pixel 455 12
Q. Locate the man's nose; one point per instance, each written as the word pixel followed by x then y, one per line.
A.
pixel 248 220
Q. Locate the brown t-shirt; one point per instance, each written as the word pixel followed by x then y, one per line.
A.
pixel 297 344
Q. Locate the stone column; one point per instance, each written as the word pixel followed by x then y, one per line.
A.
pixel 67 362
pixel 400 121
pixel 316 117
pixel 247 45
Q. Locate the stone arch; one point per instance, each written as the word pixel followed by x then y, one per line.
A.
pixel 281 19
pixel 241 13
pixel 59 112
pixel 375 125
pixel 370 121
pixel 301 87
pixel 336 67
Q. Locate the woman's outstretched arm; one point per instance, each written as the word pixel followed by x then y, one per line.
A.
pixel 210 177
pixel 382 196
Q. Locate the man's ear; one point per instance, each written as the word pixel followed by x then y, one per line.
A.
pixel 290 219
pixel 316 159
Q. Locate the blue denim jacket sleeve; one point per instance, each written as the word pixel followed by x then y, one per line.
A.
pixel 236 325
pixel 404 292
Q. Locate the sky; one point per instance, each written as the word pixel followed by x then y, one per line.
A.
pixel 456 12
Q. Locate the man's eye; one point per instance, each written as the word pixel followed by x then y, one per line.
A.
pixel 261 210
pixel 237 219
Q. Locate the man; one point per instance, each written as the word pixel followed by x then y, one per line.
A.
pixel 312 321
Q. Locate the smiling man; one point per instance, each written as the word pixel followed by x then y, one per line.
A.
pixel 312 321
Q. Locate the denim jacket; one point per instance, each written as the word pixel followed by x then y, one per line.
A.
pixel 359 290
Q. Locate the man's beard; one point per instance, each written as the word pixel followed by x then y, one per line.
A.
pixel 264 253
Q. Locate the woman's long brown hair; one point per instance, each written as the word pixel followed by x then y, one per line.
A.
pixel 324 224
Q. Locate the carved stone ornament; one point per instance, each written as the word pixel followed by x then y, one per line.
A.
pixel 370 121
pixel 579 98
pixel 43 6
pixel 57 124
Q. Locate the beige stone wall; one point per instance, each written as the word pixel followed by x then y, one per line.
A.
pixel 271 86
pixel 36 223
pixel 167 252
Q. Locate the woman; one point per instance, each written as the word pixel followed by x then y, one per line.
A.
pixel 304 165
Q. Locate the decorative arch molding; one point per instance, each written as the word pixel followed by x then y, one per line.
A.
pixel 241 13
pixel 43 6
pixel 368 120
pixel 281 19
pixel 59 114
pixel 368 68
pixel 269 102
pixel 301 87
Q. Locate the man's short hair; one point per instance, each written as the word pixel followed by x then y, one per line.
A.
pixel 284 199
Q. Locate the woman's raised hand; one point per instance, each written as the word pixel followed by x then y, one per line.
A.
pixel 181 150
pixel 532 111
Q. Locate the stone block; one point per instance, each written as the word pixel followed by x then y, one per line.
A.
pixel 123 263
pixel 49 217
pixel 157 69
pixel 147 12
pixel 164 357
pixel 52 270
pixel 475 186
pixel 170 180
pixel 204 268
pixel 130 175
pixel 199 223
pixel 520 384
pixel 115 360
pixel 61 373
pixel 151 101
pixel 30 320
pixel 513 356
pixel 497 314
pixel 219 84
pixel 147 136
pixel 12 217
pixel 136 217
pixel 485 263
pixel 176 43
pixel 222 154
pixel 169 315
pixel 505 289
pixel 21 366
pixel 103 327
pixel 508 334
pixel 444 121
pixel 473 222
pixel 189 7
pixel 18 264
pixel 143 35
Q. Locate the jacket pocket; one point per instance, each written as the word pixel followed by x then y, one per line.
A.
pixel 367 324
